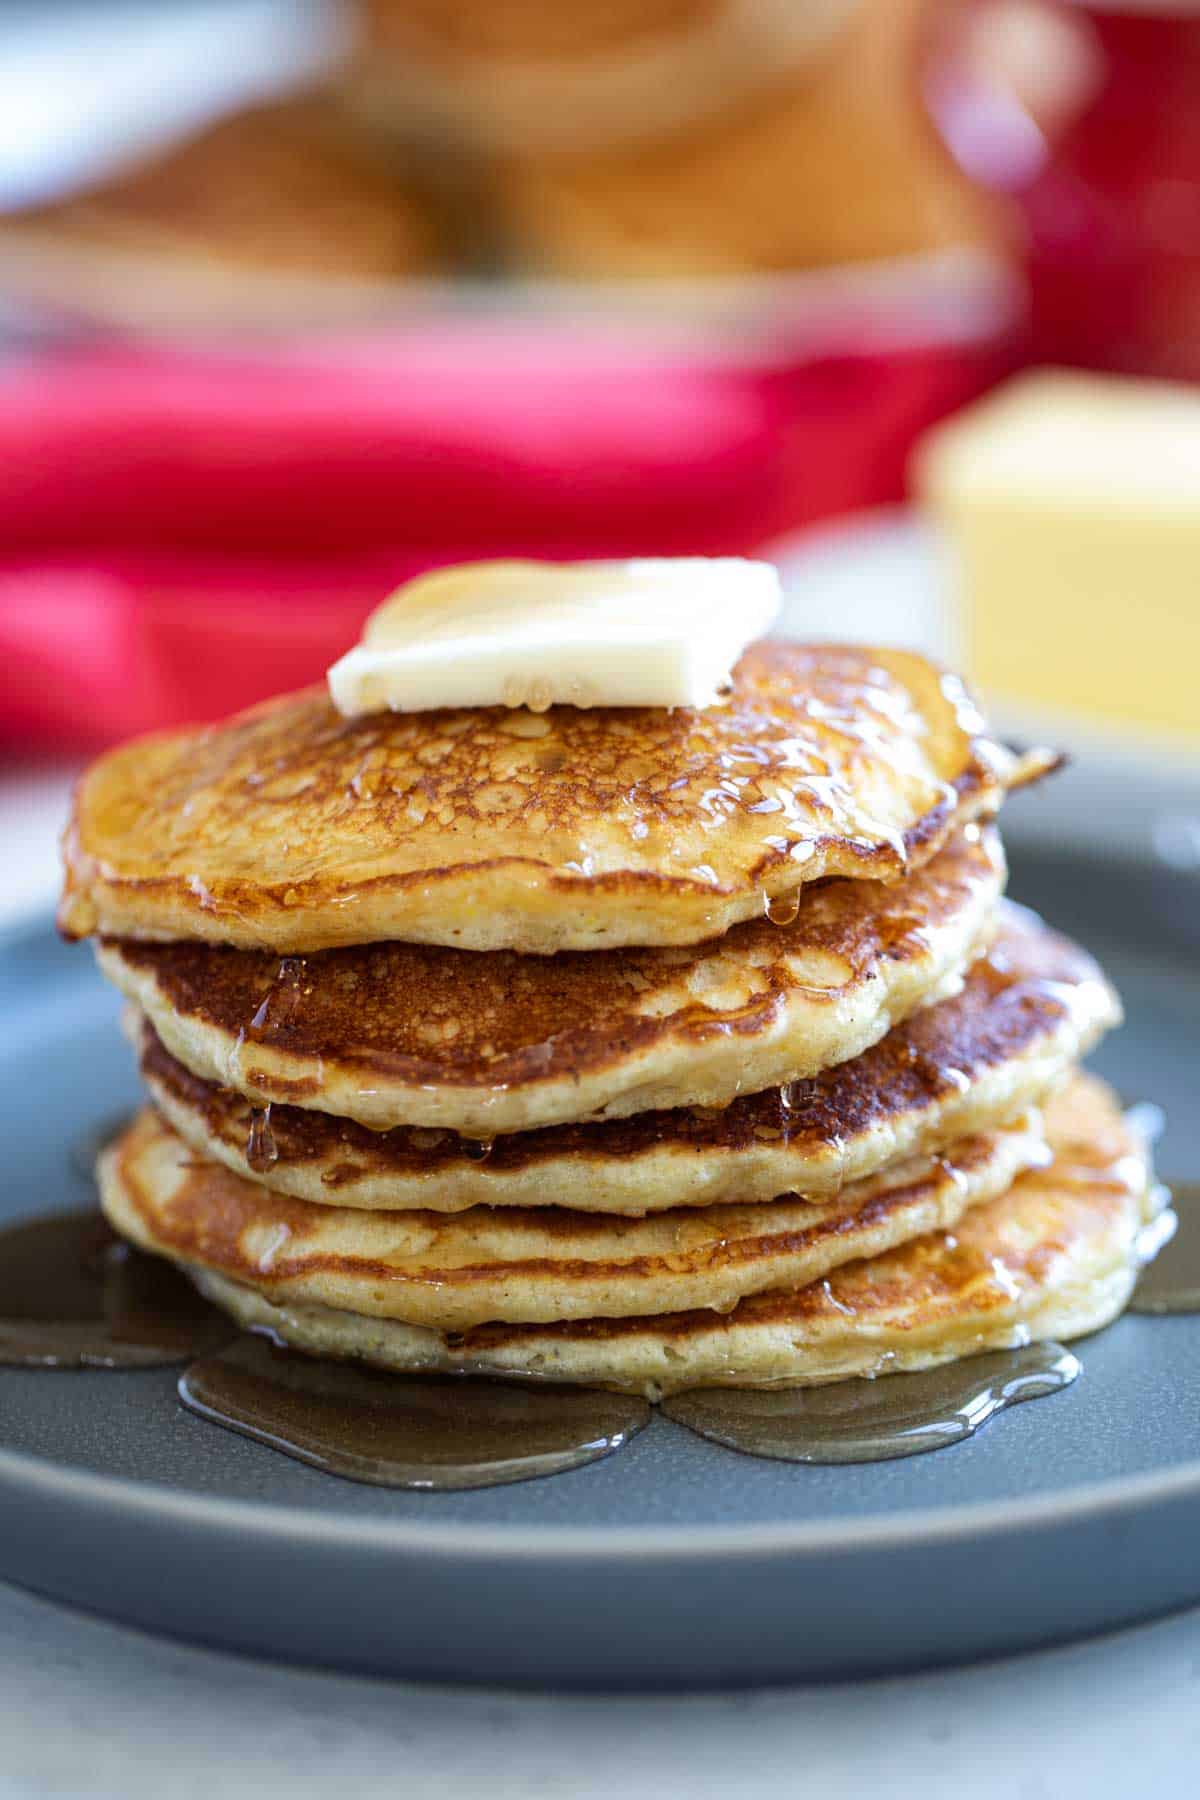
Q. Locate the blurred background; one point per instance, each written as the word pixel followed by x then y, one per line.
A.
pixel 299 297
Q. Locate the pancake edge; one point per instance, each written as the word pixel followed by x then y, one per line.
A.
pixel 801 1037
pixel 639 1359
pixel 776 1249
pixel 669 1173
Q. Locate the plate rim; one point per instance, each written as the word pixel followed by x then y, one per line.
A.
pixel 303 1525
pixel 28 1473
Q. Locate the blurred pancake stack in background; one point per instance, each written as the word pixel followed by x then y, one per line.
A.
pixel 686 138
pixel 635 1047
pixel 481 279
pixel 681 138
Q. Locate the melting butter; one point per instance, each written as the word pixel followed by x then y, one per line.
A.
pixel 654 631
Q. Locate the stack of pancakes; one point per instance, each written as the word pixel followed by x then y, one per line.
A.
pixel 641 1048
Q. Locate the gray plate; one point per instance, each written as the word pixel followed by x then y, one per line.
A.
pixel 674 1563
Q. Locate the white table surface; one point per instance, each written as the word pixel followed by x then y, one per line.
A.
pixel 87 1708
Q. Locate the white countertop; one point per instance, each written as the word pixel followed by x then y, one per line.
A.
pixel 89 1709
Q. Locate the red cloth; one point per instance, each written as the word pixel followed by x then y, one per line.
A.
pixel 182 534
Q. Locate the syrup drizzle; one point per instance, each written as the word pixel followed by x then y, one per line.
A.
pixel 782 909
pixel 262 1152
pixel 73 1295
pixel 438 1432
pixel 866 1420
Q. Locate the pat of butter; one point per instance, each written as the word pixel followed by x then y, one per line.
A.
pixel 1072 503
pixel 655 631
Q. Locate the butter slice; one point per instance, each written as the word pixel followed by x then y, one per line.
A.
pixel 1072 503
pixel 654 631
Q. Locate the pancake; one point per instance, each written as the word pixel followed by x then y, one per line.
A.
pixel 399 1034
pixel 536 1264
pixel 292 829
pixel 1055 1257
pixel 1027 1012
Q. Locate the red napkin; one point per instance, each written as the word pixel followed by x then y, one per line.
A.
pixel 182 534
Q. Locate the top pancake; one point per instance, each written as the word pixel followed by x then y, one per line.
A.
pixel 292 829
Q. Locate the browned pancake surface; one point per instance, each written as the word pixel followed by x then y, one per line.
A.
pixel 1053 1257
pixel 991 1255
pixel 543 1263
pixel 292 828
pixel 1057 1253
pixel 1027 1010
pixel 399 1033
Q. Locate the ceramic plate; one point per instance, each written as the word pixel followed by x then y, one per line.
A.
pixel 673 1563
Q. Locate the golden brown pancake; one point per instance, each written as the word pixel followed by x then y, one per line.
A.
pixel 293 829
pixel 1055 1257
pixel 1028 1010
pixel 392 1034
pixel 453 1272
